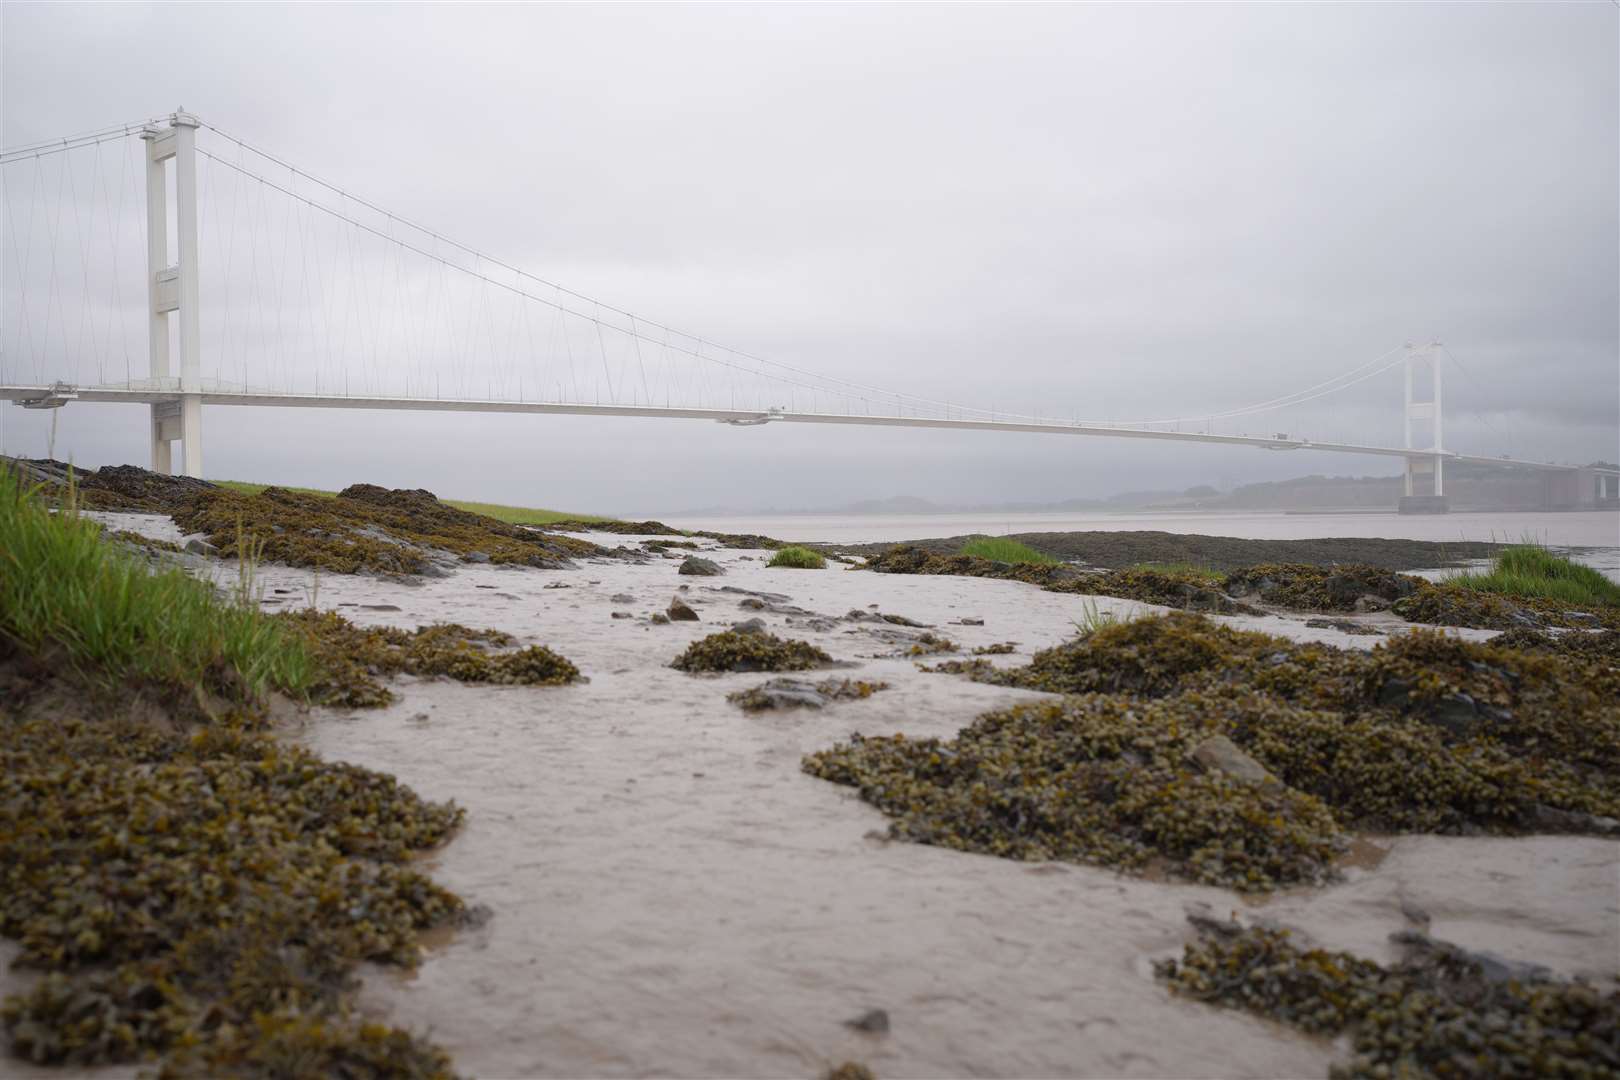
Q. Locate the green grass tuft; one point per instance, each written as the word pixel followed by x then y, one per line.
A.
pixel 998 549
pixel 512 515
pixel 798 558
pixel 1530 570
pixel 66 591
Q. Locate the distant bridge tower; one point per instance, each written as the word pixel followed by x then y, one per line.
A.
pixel 1425 484
pixel 174 290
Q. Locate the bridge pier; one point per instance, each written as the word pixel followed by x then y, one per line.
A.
pixel 1424 490
pixel 1578 489
pixel 174 290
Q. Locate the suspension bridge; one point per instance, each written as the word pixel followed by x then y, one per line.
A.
pixel 317 298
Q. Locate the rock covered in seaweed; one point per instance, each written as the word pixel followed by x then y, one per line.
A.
pixel 371 529
pixel 732 650
pixel 1423 732
pixel 352 658
pixel 1439 1012
pixel 203 893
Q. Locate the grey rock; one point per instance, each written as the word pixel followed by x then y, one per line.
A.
pixel 681 611
pixel 970 620
pixel 1370 602
pixel 199 546
pixel 1394 692
pixel 857 615
pixel 623 615
pixel 1345 626
pixel 623 598
pixel 1457 713
pixel 693 565
pixel 1220 754
pixel 749 626
pixel 434 570
pixel 476 557
pixel 784 694
pixel 751 603
pixel 776 596
pixel 559 585
pixel 872 1021
pixel 378 607
pixel 1583 618
pixel 1572 821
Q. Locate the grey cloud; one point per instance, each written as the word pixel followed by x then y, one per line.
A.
pixel 1093 210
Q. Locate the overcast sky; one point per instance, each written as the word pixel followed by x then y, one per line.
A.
pixel 1099 211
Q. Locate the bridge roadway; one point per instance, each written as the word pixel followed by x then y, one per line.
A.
pixel 54 395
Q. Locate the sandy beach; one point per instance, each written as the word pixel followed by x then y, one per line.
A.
pixel 670 895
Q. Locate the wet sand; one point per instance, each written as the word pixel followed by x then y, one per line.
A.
pixel 672 896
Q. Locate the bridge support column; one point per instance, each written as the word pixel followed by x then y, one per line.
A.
pixel 174 289
pixel 1424 487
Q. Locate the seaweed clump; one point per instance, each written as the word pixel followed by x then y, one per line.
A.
pixel 1456 605
pixel 850 1070
pixel 1090 779
pixel 353 657
pixel 1185 589
pixel 368 528
pixel 731 650
pixel 1440 1011
pixel 198 892
pixel 1237 758
pixel 1602 645
pixel 1303 587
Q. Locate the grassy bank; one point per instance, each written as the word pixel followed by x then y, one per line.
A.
pixel 65 592
pixel 514 515
pixel 1531 571
pixel 997 549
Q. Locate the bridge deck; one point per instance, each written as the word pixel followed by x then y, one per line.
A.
pixel 40 395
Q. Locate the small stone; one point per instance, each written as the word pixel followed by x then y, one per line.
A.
pixel 680 611
pixel 693 565
pixel 198 546
pixel 968 620
pixel 622 598
pixel 1220 754
pixel 749 626
pixel 1457 713
pixel 379 607
pixel 751 603
pixel 660 619
pixel 872 1021
pixel 625 615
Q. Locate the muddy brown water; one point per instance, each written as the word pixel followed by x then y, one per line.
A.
pixel 671 896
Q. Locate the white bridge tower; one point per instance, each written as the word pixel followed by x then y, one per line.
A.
pixel 174 290
pixel 1425 480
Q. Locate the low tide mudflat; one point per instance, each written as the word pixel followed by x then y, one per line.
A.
pixel 671 895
